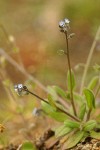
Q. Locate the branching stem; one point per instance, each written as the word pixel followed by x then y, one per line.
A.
pixel 69 67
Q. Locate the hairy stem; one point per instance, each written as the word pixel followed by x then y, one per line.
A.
pixel 59 109
pixel 69 67
pixel 89 59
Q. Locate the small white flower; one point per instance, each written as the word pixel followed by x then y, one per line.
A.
pixel 66 21
pixel 61 24
pixel 20 86
pixel 20 89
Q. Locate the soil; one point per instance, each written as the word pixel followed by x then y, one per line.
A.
pixel 49 142
pixel 91 144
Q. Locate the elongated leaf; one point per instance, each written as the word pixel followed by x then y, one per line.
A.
pixel 95 135
pixel 86 134
pixel 60 92
pixel 90 125
pixel 77 97
pixel 59 116
pixel 73 140
pixel 52 92
pixel 71 124
pixel 28 146
pixel 69 80
pixel 82 111
pixel 47 108
pixel 51 111
pixel 93 83
pixel 62 130
pixel 89 98
pixel 51 101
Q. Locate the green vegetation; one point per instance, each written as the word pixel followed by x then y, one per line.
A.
pixel 33 52
pixel 77 124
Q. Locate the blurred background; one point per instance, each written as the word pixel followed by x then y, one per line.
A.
pixel 30 44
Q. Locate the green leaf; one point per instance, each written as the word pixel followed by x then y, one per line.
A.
pixel 77 97
pixel 69 80
pixel 28 146
pixel 62 130
pixel 60 92
pixel 86 134
pixel 73 140
pixel 90 125
pixel 48 108
pixel 51 100
pixel 93 83
pixel 95 135
pixel 71 124
pixel 51 111
pixel 52 92
pixel 82 111
pixel 89 98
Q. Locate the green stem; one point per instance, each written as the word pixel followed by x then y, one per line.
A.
pixel 59 109
pixel 69 67
pixel 89 60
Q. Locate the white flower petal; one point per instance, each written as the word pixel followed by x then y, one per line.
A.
pixel 66 21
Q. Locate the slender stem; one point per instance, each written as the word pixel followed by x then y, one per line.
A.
pixel 59 109
pixel 69 67
pixel 71 116
pixel 36 96
pixel 89 59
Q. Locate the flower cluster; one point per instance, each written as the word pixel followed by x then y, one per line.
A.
pixel 64 25
pixel 20 89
